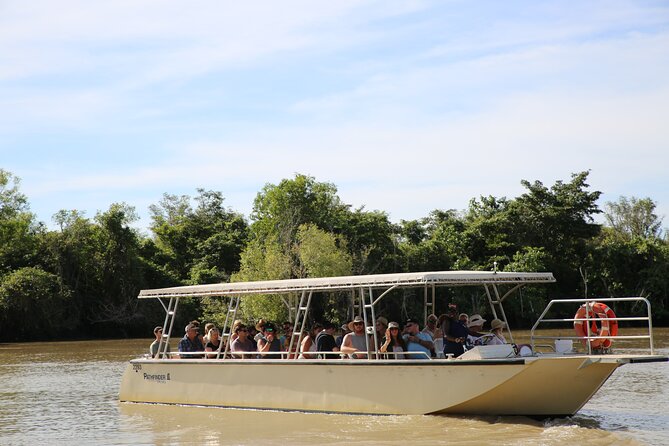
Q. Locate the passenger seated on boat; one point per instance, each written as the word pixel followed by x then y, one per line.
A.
pixel 214 343
pixel 287 328
pixel 153 348
pixel 464 319
pixel 416 341
pixel 308 346
pixel 252 335
pixel 199 335
pixel 475 326
pixel 288 333
pixel 242 342
pixel 354 343
pixel 455 334
pixel 260 326
pixel 432 328
pixel 269 343
pixel 394 342
pixel 381 327
pixel 235 324
pixel 339 340
pixel 208 326
pixel 191 342
pixel 325 342
pixel 497 338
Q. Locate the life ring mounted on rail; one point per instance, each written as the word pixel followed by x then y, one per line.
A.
pixel 596 312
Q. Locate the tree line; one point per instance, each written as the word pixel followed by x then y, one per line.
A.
pixel 81 280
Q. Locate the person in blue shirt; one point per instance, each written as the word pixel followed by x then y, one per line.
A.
pixel 416 341
pixel 191 342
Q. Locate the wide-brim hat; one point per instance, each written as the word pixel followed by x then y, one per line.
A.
pixel 383 320
pixel 355 320
pixel 497 323
pixel 476 320
pixel 261 323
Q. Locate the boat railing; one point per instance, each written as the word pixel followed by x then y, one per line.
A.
pixel 588 318
pixel 291 355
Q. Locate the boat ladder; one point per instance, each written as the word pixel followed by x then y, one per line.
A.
pixel 300 320
pixel 226 329
pixel 170 312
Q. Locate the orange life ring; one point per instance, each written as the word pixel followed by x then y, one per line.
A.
pixel 598 312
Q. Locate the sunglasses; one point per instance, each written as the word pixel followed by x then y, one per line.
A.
pixel 357 323
pixel 242 329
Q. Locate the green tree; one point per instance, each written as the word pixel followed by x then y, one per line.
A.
pixel 34 304
pixel 120 268
pixel 18 230
pixel 371 240
pixel 200 245
pixel 633 217
pixel 71 254
pixel 321 254
pixel 559 220
pixel 435 243
pixel 317 254
pixel 488 232
pixel 99 262
pixel 632 266
pixel 279 210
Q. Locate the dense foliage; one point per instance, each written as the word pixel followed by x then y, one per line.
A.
pixel 82 279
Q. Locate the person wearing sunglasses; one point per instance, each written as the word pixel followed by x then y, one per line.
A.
pixel 191 342
pixel 153 348
pixel 393 342
pixel 417 341
pixel 269 343
pixel 242 343
pixel 354 343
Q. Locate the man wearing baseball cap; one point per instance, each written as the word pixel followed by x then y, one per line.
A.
pixel 191 342
pixel 417 341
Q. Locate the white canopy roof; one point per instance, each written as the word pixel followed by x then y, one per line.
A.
pixel 439 278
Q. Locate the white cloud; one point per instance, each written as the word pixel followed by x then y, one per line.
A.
pixel 427 112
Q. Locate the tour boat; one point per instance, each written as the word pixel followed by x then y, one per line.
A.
pixel 487 380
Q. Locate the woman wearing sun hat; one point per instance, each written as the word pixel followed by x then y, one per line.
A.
pixel 475 327
pixel 496 327
pixel 393 342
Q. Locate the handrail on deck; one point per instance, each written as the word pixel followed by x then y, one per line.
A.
pixel 589 336
pixel 289 356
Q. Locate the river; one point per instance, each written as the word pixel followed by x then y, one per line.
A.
pixel 59 393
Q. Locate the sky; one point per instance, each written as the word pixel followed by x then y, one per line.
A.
pixel 405 106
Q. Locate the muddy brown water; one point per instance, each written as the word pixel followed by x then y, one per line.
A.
pixel 67 393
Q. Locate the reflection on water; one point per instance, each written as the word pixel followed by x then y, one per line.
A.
pixel 67 393
pixel 174 424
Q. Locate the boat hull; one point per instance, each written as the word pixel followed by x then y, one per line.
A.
pixel 521 386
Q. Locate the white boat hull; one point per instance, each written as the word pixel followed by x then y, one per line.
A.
pixel 545 386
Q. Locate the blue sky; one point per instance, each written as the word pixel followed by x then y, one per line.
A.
pixel 405 106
